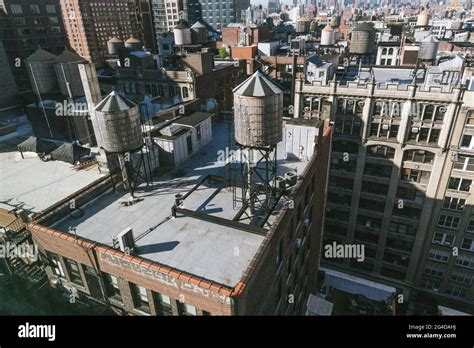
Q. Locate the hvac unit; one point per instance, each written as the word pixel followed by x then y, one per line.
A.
pixel 357 124
pixel 281 182
pixel 368 224
pixel 385 127
pixel 291 178
pixel 414 130
pixel 126 240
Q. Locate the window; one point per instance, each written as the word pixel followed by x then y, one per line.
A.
pixel 279 257
pixel 459 184
pixel 438 255
pixel 468 244
pixel 429 111
pixel 112 287
pixel 466 142
pixel 457 291
pixel 430 284
pixel 198 132
pixel 470 119
pixel 470 226
pixel 140 298
pixel 50 8
pixel 465 261
pixel 73 271
pixel 461 277
pixel 452 203
pixel 400 228
pixel 185 92
pixel 381 151
pixel 187 309
pixel 448 221
pixel 57 266
pixel 35 9
pixel 418 176
pixel 465 163
pixel 419 156
pixel 163 304
pixel 443 239
pixel 434 270
pixel 16 9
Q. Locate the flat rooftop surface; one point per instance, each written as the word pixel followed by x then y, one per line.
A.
pixel 35 185
pixel 205 249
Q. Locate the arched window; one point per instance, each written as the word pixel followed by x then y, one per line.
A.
pixel 384 51
pixel 380 151
pixel 390 51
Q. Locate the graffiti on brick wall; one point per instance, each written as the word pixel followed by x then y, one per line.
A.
pixel 161 277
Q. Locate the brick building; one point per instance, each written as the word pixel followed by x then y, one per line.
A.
pixel 199 76
pixel 201 260
pixel 90 24
pixel 25 26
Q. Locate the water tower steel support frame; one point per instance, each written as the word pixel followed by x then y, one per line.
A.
pixel 258 178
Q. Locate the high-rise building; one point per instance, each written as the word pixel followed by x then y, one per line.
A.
pixel 217 14
pixel 167 14
pixel 8 89
pixel 90 24
pixel 25 26
pixel 400 183
pixel 144 13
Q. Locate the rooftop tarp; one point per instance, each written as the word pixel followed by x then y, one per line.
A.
pixel 355 285
pixel 70 153
pixel 38 145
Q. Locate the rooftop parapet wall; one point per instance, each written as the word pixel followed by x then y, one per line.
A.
pixel 178 76
pixel 388 90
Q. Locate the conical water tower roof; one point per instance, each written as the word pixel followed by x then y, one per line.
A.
pixel 430 38
pixel 363 27
pixel 198 25
pixel 328 28
pixel 114 40
pixel 114 102
pixel 257 85
pixel 69 57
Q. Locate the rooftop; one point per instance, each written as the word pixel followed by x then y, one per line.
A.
pixel 198 243
pixel 34 185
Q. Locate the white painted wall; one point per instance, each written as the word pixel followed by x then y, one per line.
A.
pixel 178 148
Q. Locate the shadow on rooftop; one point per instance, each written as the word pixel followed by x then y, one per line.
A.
pixel 157 247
